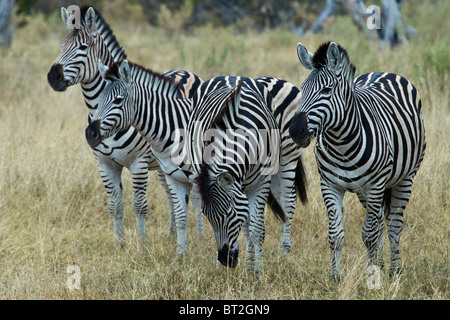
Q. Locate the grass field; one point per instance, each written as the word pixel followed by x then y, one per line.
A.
pixel 53 211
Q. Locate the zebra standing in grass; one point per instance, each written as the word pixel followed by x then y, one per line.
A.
pixel 235 151
pixel 131 98
pixel 77 63
pixel 370 140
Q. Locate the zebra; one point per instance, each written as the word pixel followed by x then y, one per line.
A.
pixel 370 141
pixel 77 63
pixel 232 176
pixel 131 98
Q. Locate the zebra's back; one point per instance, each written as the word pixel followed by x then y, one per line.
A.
pixel 393 103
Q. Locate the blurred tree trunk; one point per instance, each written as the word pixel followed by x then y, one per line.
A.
pixel 6 22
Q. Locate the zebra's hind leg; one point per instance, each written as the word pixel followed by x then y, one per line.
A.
pixel 111 176
pixel 139 176
pixel 400 195
pixel 333 201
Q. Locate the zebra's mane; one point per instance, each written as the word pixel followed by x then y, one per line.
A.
pixel 112 74
pixel 319 59
pixel 217 120
pixel 105 31
pixel 204 184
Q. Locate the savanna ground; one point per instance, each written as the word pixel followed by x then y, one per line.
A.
pixel 53 210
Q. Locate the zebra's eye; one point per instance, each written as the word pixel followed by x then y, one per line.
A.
pixel 118 100
pixel 325 91
pixel 84 47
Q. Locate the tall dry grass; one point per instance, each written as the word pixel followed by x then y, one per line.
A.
pixel 53 210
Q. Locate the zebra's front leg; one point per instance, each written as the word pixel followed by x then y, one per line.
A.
pixel 256 229
pixel 333 201
pixel 162 179
pixel 197 204
pixel 373 227
pixel 139 176
pixel 179 192
pixel 111 176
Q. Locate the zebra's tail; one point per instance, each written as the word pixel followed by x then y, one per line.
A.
pixel 387 198
pixel 276 207
pixel 300 181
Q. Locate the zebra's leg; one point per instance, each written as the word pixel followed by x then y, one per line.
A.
pixel 179 192
pixel 197 204
pixel 257 198
pixel 373 227
pixel 111 176
pixel 400 195
pixel 139 177
pixel 283 189
pixel 333 202
pixel 163 181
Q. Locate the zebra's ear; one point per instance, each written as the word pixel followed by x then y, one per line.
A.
pixel 102 68
pixel 229 107
pixel 90 21
pixel 304 56
pixel 334 58
pixel 64 16
pixel 225 179
pixel 125 72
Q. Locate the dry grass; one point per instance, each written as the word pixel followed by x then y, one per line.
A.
pixel 53 209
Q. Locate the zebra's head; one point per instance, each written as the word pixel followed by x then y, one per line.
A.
pixel 325 93
pixel 226 208
pixel 80 51
pixel 115 103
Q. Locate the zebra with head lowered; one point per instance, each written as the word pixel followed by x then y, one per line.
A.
pixel 370 140
pixel 132 97
pixel 235 150
pixel 77 63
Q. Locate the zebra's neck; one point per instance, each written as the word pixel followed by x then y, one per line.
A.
pixel 108 51
pixel 342 139
pixel 160 114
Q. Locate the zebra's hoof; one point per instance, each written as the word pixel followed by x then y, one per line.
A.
pixel 395 271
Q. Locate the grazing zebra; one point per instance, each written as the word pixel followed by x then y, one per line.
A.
pixel 77 63
pixel 235 151
pixel 133 96
pixel 370 140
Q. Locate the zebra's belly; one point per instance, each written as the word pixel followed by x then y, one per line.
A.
pixel 338 178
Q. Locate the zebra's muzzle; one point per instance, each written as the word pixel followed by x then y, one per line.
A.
pixel 298 130
pixel 92 133
pixel 228 257
pixel 55 78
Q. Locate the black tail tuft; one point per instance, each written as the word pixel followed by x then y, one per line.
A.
pixel 300 181
pixel 276 207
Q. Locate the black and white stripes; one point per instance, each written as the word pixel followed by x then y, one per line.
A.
pixel 370 140
pixel 78 63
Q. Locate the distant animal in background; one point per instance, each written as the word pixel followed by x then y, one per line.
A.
pixel 370 141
